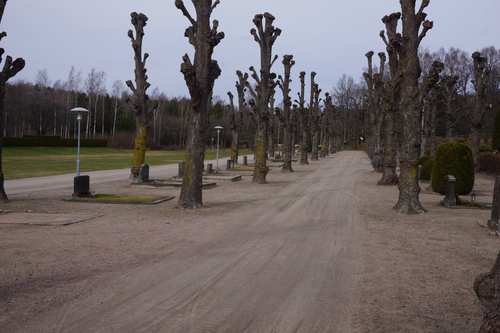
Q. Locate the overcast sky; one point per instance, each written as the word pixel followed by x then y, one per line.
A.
pixel 328 36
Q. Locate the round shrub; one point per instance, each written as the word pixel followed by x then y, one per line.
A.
pixel 453 158
pixel 427 164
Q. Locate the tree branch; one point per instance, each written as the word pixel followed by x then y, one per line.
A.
pixel 180 5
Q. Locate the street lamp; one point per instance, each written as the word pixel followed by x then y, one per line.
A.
pixel 219 129
pixel 81 183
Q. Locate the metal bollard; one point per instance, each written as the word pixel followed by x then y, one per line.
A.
pixel 451 197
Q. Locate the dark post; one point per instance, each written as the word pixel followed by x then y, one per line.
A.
pixel 144 173
pixel 451 197
pixel 245 160
pixel 181 169
pixel 81 186
pixel 210 168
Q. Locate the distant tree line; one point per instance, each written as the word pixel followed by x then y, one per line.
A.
pixel 41 108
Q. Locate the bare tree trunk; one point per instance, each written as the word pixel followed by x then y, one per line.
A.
pixel 287 117
pixel 200 77
pixel 304 120
pixel 115 116
pixel 139 101
pixel 265 35
pixel 487 288
pixel 481 79
pixel 234 130
pixel 103 115
pixel 406 47
pixel 314 117
pixel 389 176
pixel 89 116
pixel 409 190
pixel 241 85
pixel 95 116
pixel 10 69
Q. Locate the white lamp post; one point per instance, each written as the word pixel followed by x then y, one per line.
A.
pixel 79 111
pixel 219 129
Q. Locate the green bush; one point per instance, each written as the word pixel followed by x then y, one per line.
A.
pixel 485 148
pixel 51 141
pixel 453 158
pixel 427 164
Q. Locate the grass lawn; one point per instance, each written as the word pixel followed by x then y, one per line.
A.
pixel 23 162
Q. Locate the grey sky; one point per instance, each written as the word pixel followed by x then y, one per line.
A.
pixel 328 36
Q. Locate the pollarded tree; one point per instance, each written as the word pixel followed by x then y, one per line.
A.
pixel 481 80
pixel 271 126
pixel 375 85
pixel 139 101
pixel 314 117
pixel 287 116
pixel 391 94
pixel 449 84
pixel 265 35
pixel 304 119
pixel 235 125
pixel 10 69
pixel 200 77
pixel 430 90
pixel 415 28
pixel 330 123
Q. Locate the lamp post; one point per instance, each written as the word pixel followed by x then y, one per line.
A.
pixel 81 184
pixel 79 117
pixel 219 129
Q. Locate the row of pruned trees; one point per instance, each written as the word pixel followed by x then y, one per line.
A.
pixel 289 123
pixel 406 102
pixel 415 98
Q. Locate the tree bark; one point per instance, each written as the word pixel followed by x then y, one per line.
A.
pixel 314 117
pixel 304 120
pixel 10 69
pixel 481 79
pixel 287 116
pixel 265 34
pixel 409 202
pixel 487 288
pixel 139 101
pixel 234 130
pixel 200 77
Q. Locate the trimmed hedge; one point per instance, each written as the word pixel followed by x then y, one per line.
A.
pixel 427 164
pixel 51 141
pixel 453 158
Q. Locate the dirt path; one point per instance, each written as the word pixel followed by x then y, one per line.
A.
pixel 288 266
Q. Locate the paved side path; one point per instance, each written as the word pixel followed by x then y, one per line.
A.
pixel 291 268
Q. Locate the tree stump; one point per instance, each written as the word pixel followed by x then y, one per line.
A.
pixel 493 223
